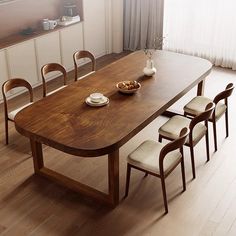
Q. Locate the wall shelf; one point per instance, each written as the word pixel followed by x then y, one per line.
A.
pixel 19 38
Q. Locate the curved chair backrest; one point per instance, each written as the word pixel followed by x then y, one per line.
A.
pixel 204 116
pixel 51 67
pixel 83 54
pixel 173 145
pixel 15 83
pixel 224 94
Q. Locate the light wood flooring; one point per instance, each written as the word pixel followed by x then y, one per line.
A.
pixel 32 205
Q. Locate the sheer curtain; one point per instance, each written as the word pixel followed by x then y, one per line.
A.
pixel 204 28
pixel 143 23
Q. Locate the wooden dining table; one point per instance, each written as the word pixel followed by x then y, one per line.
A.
pixel 65 122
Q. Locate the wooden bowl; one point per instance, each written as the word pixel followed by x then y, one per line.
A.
pixel 128 86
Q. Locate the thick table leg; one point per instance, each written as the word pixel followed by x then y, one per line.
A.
pixel 200 88
pixel 37 154
pixel 111 199
pixel 113 175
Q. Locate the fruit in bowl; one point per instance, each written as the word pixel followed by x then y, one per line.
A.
pixel 128 86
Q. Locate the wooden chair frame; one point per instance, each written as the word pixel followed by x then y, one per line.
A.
pixel 83 54
pixel 174 145
pixel 6 87
pixel 204 116
pixel 51 67
pixel 221 96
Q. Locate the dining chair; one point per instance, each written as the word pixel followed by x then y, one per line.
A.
pixel 197 104
pixel 198 130
pixel 53 67
pixel 80 55
pixel 159 160
pixel 6 87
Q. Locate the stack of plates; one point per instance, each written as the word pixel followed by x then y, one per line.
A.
pixel 97 100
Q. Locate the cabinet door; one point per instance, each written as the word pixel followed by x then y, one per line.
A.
pixel 48 50
pixel 22 62
pixel 71 41
pixel 95 26
pixel 3 69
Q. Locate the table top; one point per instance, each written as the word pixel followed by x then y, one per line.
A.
pixel 64 121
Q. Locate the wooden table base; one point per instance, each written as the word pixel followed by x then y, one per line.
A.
pixel 200 88
pixel 110 199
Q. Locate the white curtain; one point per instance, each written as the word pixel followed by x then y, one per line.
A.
pixel 143 23
pixel 205 28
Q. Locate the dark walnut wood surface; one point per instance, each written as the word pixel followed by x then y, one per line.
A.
pixel 64 121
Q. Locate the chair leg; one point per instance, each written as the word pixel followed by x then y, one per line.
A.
pixel 215 136
pixel 164 194
pixel 227 123
pixel 146 174
pixel 127 180
pixel 192 161
pixel 183 171
pixel 183 175
pixel 6 131
pixel 207 144
pixel 160 138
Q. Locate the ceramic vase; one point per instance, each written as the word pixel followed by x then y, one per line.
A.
pixel 149 70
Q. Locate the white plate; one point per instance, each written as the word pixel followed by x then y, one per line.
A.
pixel 104 102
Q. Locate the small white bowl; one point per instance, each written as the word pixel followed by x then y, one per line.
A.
pixel 96 97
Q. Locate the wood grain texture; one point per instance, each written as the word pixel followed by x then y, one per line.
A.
pixel 31 205
pixel 66 123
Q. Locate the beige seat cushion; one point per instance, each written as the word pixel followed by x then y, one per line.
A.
pixel 198 104
pixel 12 114
pixel 56 90
pixel 174 125
pixel 146 156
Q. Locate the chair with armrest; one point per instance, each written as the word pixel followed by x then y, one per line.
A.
pixel 80 55
pixel 6 87
pixel 53 67
pixel 159 160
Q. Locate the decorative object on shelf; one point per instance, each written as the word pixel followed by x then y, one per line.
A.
pixel 49 24
pixel 70 9
pixel 52 24
pixel 27 31
pixel 97 100
pixel 150 69
pixel 68 20
pixel 128 86
pixel 63 18
pixel 45 24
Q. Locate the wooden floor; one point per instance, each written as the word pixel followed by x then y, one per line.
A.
pixel 32 205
